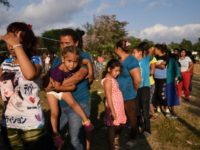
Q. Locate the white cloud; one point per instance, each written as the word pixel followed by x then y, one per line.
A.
pixel 102 7
pixel 162 33
pixel 45 14
pixel 158 3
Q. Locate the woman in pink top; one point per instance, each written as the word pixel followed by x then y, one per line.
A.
pixel 115 113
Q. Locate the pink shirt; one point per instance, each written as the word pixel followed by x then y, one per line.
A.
pixel 118 104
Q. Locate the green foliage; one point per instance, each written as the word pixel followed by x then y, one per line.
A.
pixel 50 40
pixel 103 34
pixel 196 45
pixel 186 44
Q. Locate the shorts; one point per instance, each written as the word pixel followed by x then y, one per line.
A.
pixel 56 94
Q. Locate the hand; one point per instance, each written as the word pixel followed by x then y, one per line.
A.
pixel 11 38
pixel 49 89
pixel 114 116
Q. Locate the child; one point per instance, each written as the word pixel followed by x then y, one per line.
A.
pixel 143 93
pixel 23 120
pixel 70 64
pixel 115 114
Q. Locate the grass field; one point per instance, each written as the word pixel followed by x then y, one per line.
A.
pixel 167 134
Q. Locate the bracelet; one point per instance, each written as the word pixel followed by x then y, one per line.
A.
pixel 17 45
pixel 86 123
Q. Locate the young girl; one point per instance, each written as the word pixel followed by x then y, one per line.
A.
pixel 70 64
pixel 23 121
pixel 115 114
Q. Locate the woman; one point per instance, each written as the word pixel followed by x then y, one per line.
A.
pixel 129 82
pixel 23 121
pixel 186 69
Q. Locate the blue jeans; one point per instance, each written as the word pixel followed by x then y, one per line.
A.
pixel 75 125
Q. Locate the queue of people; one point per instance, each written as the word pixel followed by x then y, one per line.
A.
pixel 136 86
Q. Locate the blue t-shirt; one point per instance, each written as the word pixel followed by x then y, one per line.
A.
pixel 125 80
pixel 81 93
pixel 145 71
pixel 161 73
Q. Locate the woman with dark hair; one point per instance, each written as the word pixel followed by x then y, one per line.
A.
pixel 23 121
pixel 160 76
pixel 173 77
pixel 186 69
pixel 129 82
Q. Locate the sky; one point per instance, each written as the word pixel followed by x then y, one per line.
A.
pixel 161 21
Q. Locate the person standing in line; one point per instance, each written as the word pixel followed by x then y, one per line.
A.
pixel 23 120
pixel 115 115
pixel 173 77
pixel 152 81
pixel 129 81
pixel 70 37
pixel 186 69
pixel 71 64
pixel 143 93
pixel 160 78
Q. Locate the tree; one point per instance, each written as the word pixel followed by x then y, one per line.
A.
pixel 196 45
pixel 173 45
pixel 50 40
pixel 103 34
pixel 186 44
pixel 5 3
pixel 134 41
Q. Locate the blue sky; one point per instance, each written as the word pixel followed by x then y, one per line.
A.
pixel 157 20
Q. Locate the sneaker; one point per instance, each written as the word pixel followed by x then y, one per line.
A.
pixel 173 117
pixel 158 110
pixel 58 141
pixel 167 110
pixel 168 115
pixel 146 134
pixel 130 143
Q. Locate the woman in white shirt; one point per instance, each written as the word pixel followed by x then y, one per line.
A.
pixel 186 68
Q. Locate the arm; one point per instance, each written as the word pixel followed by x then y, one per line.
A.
pixel 27 68
pixel 61 88
pixel 191 65
pixel 90 69
pixel 152 68
pixel 77 77
pixel 136 77
pixel 108 93
pixel 161 65
pixel 0 72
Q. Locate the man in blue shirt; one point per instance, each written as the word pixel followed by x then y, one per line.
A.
pixel 69 37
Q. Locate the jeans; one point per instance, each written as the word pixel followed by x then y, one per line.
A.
pixel 75 125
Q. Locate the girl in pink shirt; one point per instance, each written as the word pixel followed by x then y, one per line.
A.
pixel 115 113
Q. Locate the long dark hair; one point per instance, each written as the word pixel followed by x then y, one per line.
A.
pixel 29 39
pixel 111 64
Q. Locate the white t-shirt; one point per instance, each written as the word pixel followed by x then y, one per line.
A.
pixel 185 63
pixel 22 109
